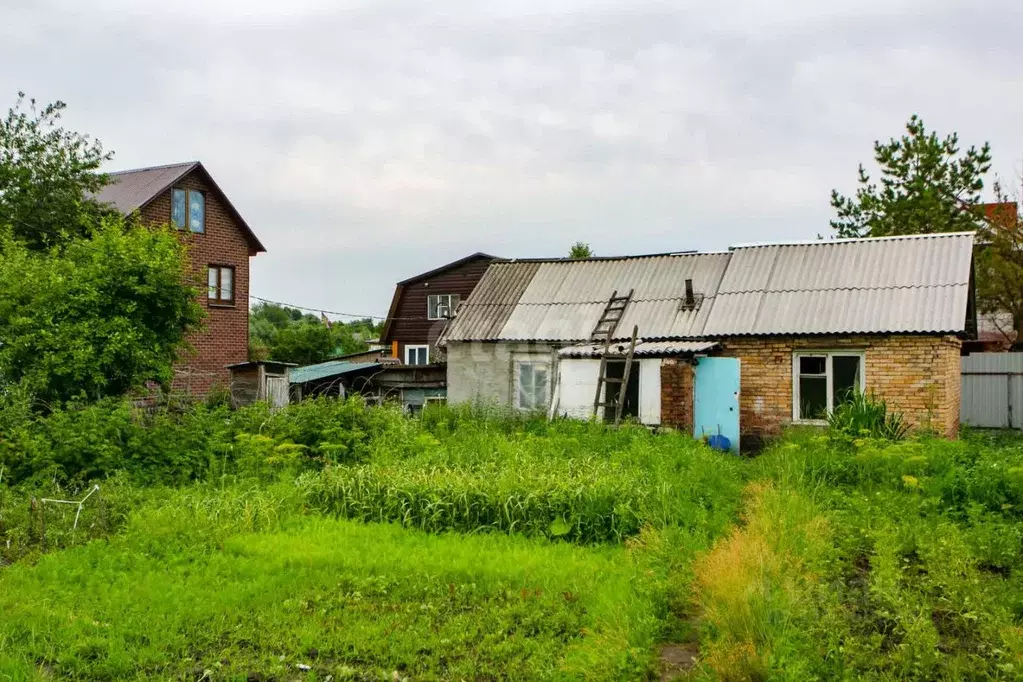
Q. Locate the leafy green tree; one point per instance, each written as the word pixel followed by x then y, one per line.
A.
pixel 927 184
pixel 580 250
pixel 47 175
pixel 999 264
pixel 305 343
pixel 287 334
pixel 96 317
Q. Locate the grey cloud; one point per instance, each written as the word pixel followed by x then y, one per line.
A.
pixel 367 141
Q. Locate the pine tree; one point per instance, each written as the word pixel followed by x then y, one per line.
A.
pixel 927 184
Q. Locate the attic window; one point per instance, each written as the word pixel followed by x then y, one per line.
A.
pixel 441 306
pixel 188 209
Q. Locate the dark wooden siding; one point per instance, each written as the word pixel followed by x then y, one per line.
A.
pixel 411 325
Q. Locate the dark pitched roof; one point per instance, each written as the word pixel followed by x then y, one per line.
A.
pixel 131 190
pixel 449 266
pixel 426 275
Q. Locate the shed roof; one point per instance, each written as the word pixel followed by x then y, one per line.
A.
pixel 131 190
pixel 324 370
pixel 917 283
pixel 906 284
pixel 562 300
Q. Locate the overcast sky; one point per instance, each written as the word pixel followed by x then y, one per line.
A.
pixel 368 141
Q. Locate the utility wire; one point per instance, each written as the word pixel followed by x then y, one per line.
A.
pixel 203 286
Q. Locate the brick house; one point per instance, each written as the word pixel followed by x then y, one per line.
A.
pixel 219 244
pixel 422 304
pixel 750 339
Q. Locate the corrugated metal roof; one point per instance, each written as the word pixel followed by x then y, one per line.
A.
pixel 131 189
pixel 491 303
pixel 323 370
pixel 643 349
pixel 905 284
pixel 914 283
pixel 562 300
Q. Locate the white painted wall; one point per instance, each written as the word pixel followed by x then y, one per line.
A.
pixel 650 391
pixel 578 384
pixel 485 372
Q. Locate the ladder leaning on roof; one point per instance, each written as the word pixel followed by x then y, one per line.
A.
pixel 612 315
pixel 603 379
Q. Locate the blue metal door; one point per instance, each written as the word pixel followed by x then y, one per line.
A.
pixel 716 401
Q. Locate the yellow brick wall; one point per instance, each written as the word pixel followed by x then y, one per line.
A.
pixel 916 375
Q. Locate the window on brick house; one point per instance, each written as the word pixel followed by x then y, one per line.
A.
pixel 441 306
pixel 221 285
pixel 822 380
pixel 188 209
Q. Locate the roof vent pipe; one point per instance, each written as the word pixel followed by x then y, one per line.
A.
pixel 690 297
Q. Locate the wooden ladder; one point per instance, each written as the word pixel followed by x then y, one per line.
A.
pixel 603 379
pixel 612 315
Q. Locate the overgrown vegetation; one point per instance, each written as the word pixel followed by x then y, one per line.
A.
pixel 91 304
pixel 286 334
pixel 866 416
pixel 367 545
pixel 871 560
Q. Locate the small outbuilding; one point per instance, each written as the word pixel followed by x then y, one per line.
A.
pixel 737 343
pixel 261 380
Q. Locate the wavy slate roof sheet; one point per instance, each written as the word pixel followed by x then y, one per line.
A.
pixel 914 283
pixel 562 300
pixel 894 284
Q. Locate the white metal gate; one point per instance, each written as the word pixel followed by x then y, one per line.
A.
pixel 992 395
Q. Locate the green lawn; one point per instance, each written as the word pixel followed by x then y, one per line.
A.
pixel 347 599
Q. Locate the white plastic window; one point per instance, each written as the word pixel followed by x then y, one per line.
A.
pixel 823 380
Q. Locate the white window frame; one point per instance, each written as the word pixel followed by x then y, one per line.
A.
pixel 451 305
pixel 829 372
pixel 417 347
pixel 517 379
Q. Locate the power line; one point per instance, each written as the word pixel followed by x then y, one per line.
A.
pixel 193 279
pixel 325 311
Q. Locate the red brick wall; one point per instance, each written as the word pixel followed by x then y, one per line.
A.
pixel 917 375
pixel 677 395
pixel 224 338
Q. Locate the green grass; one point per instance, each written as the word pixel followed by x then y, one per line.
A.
pixel 468 545
pixel 351 600
pixel 567 484
pixel 871 560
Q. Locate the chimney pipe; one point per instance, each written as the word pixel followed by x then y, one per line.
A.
pixel 690 298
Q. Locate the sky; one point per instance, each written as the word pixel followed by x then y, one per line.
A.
pixel 368 141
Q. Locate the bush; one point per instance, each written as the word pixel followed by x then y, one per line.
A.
pixel 866 416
